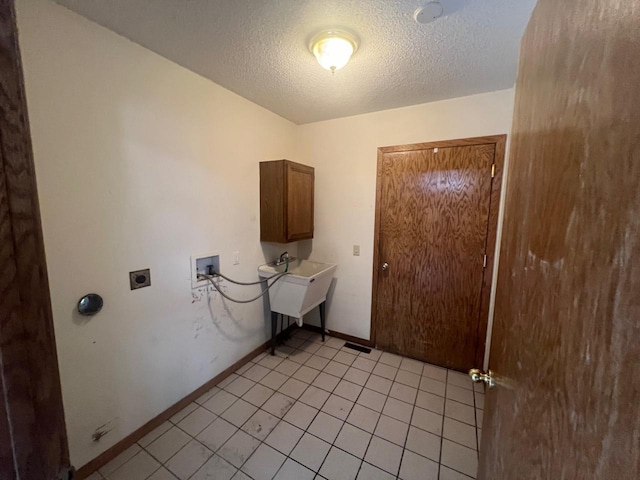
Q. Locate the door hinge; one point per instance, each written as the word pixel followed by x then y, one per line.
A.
pixel 493 170
pixel 484 262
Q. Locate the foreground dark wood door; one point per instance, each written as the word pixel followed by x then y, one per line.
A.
pixel 33 441
pixel 434 210
pixel 566 342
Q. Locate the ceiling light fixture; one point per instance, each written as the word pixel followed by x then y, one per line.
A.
pixel 333 48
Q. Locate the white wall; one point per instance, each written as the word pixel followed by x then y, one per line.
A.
pixel 140 163
pixel 344 153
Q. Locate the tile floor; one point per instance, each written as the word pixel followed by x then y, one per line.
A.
pixel 318 411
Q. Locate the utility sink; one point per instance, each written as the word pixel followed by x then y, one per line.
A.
pixel 303 289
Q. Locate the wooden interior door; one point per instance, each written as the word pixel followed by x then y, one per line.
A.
pixel 33 440
pixel 566 336
pixel 433 207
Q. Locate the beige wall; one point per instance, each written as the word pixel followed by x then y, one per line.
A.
pixel 344 153
pixel 140 163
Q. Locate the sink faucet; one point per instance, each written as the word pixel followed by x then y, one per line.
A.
pixel 284 257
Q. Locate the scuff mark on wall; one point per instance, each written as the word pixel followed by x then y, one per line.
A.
pixel 102 430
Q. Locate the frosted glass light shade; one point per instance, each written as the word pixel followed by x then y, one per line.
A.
pixel 333 48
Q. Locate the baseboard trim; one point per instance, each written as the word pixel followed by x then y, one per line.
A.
pixel 342 336
pixel 108 455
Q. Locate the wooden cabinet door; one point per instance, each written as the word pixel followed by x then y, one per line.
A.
pixel 299 201
pixel 565 351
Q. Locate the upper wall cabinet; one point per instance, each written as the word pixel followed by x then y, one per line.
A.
pixel 286 201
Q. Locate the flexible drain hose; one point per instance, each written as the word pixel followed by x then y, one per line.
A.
pixel 269 285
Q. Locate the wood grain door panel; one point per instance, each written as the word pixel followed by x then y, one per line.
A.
pixel 300 181
pixel 434 216
pixel 566 335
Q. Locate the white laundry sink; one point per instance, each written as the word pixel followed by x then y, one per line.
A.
pixel 303 289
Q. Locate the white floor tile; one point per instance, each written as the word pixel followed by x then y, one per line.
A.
pixel 260 424
pixel 340 465
pixel 430 401
pixel 292 470
pixel 325 427
pixel 300 357
pixel 287 367
pixel 216 468
pixel 239 448
pixel 353 440
pixel 369 472
pixel 160 474
pixel 397 409
pixel 196 421
pixel 459 394
pixel 258 395
pixel 459 380
pixel 415 467
pixel 426 420
pixel 424 443
pixel 216 434
pixel 264 463
pixel 459 458
pixel 334 342
pixel 373 400
pixel 336 369
pixel 379 384
pixel 167 445
pixel 315 397
pixel 227 380
pixel 364 364
pixel 408 378
pixel 338 407
pixel 278 404
pixel 274 380
pixel 154 434
pixel 326 382
pixel 256 373
pixel 447 474
pixel 348 390
pixel 184 412
pixel 121 459
pixel 460 411
pixel 459 432
pixel 188 460
pixel 430 385
pixel 139 466
pixel 207 395
pixel 363 417
pixel 306 374
pixel 356 376
pixel 240 386
pixel 392 430
pixel 239 412
pixel 220 402
pixel 271 361
pixel 434 372
pixel 327 352
pixel 300 415
pixel 310 451
pixel 385 371
pixel 479 400
pixel 410 365
pixel 384 455
pixel 284 437
pixel 403 392
pixel 345 357
pixel 390 359
pixel 293 388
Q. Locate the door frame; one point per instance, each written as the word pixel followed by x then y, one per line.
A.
pixel 494 210
pixel 33 438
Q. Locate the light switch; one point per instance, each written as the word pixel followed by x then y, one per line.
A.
pixel 356 250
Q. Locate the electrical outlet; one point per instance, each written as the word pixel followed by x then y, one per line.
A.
pixel 356 250
pixel 139 279
pixel 236 258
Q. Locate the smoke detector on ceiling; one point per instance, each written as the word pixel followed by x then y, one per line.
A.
pixel 428 13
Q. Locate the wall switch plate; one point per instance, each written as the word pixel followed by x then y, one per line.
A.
pixel 356 250
pixel 140 279
pixel 236 258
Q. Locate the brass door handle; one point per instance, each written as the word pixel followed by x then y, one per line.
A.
pixel 477 376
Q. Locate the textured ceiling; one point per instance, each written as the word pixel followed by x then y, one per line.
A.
pixel 258 48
